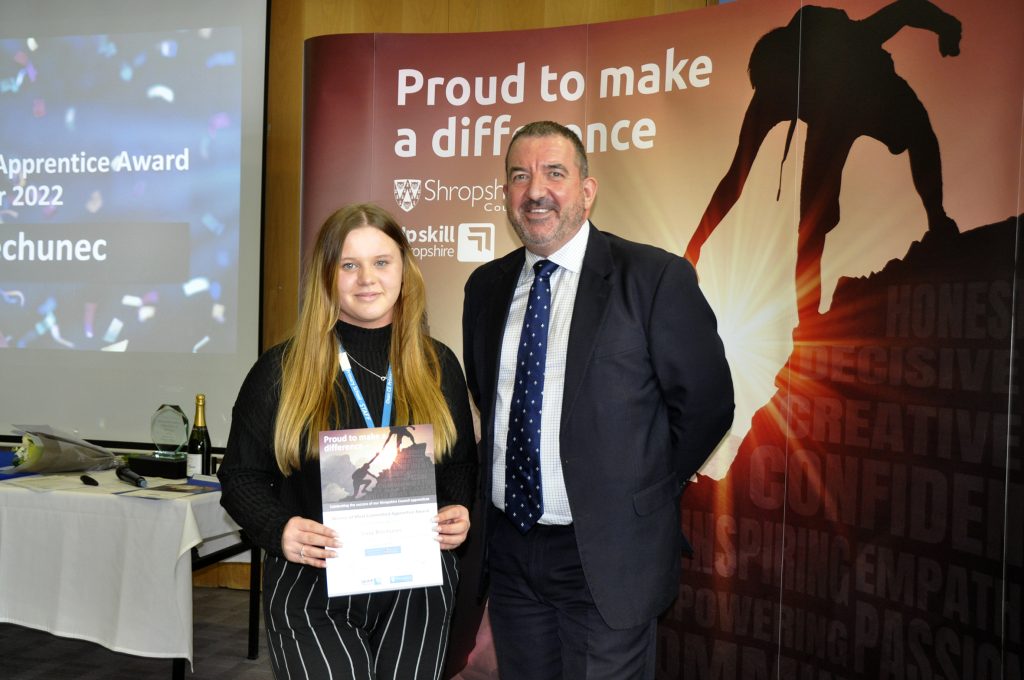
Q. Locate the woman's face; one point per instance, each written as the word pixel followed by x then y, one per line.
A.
pixel 369 277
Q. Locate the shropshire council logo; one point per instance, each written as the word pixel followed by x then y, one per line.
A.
pixel 407 193
pixel 476 242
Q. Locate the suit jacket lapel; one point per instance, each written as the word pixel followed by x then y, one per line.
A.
pixel 494 325
pixel 587 317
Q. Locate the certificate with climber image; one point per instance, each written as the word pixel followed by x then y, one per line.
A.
pixel 378 491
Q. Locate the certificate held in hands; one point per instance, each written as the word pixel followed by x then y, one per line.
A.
pixel 378 491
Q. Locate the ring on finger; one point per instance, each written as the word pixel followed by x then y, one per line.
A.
pixel 302 552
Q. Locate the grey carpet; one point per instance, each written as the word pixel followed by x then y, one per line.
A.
pixel 220 639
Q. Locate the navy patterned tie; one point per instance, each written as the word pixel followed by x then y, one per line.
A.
pixel 523 502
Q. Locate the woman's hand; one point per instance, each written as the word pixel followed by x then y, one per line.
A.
pixel 308 542
pixel 452 526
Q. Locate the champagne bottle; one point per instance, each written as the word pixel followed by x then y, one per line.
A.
pixel 199 441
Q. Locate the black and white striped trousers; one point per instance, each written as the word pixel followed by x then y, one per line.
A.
pixel 394 635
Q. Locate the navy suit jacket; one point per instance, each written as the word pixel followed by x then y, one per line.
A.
pixel 647 397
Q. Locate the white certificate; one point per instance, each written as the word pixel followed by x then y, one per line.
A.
pixel 385 546
pixel 378 491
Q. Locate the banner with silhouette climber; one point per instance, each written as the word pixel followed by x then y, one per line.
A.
pixel 846 178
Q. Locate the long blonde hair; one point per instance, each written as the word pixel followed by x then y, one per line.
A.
pixel 309 401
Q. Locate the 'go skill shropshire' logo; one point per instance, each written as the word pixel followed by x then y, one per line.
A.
pixel 469 242
pixel 476 242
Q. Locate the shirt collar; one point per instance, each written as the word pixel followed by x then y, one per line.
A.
pixel 569 256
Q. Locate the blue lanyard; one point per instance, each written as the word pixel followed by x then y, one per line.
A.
pixel 389 391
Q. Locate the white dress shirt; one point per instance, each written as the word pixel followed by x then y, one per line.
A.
pixel 564 283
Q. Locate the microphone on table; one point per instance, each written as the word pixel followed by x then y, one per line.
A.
pixel 126 474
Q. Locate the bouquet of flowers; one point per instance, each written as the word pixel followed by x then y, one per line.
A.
pixel 44 449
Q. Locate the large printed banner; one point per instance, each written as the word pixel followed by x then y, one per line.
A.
pixel 847 179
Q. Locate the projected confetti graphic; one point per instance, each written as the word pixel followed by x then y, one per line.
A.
pixel 119 191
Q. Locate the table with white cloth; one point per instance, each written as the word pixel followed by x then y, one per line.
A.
pixel 89 563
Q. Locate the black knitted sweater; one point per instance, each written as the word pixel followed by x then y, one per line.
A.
pixel 262 500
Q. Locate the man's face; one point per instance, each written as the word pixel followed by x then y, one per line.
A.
pixel 545 198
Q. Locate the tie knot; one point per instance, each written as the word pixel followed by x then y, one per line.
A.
pixel 543 268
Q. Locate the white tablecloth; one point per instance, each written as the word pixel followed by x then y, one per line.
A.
pixel 107 568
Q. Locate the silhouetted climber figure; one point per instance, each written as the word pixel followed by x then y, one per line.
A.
pixel 362 476
pixel 400 432
pixel 831 72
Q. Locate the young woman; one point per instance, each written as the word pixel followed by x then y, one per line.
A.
pixel 362 291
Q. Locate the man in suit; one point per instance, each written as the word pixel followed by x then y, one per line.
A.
pixel 634 395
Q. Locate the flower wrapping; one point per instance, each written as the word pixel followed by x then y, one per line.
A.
pixel 45 449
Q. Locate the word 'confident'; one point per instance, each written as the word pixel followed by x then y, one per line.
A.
pixel 614 81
